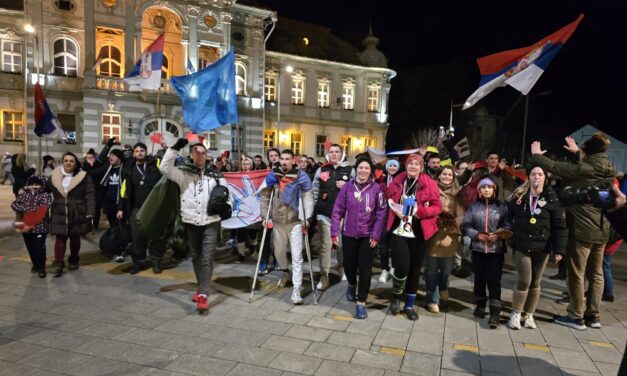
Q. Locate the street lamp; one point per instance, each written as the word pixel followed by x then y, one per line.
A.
pixel 29 30
pixel 288 69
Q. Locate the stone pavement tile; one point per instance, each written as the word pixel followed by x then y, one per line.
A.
pixel 319 310
pixel 128 352
pixel 57 339
pixel 140 308
pixel 328 323
pixel 617 335
pixel 289 317
pixel 192 345
pixel 333 368
pixel 148 371
pixel 129 319
pixel 377 360
pixel 506 364
pixel 174 312
pixel 74 310
pixel 360 341
pixel 65 323
pixel 182 327
pixel 287 344
pixel 450 372
pixel 398 323
pixel 266 326
pixel 421 364
pixel 560 337
pixel 456 321
pixel 144 337
pixel 105 330
pixel 496 342
pixel 246 354
pixel 296 363
pixel 45 373
pixel 430 324
pixel 369 327
pixel 460 360
pixel 308 333
pixel 590 334
pixel 392 338
pixel 230 335
pixel 12 369
pixel 330 352
pixel 462 335
pixel 572 359
pixel 524 335
pixel 201 365
pixel 428 343
pixel 602 353
pixel 19 332
pixel 22 316
pixel 574 372
pixel 12 351
pixel 607 369
pixel 250 370
pixel 75 364
pixel 251 311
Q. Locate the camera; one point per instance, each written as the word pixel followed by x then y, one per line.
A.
pixel 600 197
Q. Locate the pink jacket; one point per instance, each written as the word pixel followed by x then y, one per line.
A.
pixel 428 198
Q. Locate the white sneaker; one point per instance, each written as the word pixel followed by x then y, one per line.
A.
pixel 319 286
pixel 384 276
pixel 433 308
pixel 118 258
pixel 514 320
pixel 296 298
pixel 530 322
pixel 344 277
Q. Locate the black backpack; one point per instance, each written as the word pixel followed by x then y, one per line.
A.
pixel 218 201
pixel 115 239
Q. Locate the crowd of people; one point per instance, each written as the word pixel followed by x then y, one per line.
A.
pixel 417 214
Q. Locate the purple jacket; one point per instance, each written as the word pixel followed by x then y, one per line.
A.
pixel 361 219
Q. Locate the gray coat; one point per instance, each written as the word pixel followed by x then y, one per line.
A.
pixel 475 222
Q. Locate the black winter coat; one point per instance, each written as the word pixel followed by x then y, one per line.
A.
pixel 68 214
pixel 486 216
pixel 549 232
pixel 133 193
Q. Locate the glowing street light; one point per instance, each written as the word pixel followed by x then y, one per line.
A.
pixel 29 28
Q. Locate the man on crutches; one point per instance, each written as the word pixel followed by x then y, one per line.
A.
pixel 291 209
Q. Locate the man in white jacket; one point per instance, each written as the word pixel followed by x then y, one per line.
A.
pixel 196 183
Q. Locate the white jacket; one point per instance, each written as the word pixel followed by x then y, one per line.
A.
pixel 195 191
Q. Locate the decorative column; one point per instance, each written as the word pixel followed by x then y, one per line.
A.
pixel 129 38
pixel 226 31
pixel 193 13
pixel 90 46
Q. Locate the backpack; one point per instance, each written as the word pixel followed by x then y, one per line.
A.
pixel 115 239
pixel 218 201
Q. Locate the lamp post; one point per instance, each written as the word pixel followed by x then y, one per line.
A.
pixel 524 139
pixel 29 30
pixel 288 69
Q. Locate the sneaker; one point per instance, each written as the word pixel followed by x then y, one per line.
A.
pixel 433 308
pixel 296 298
pixel 118 258
pixel 202 305
pixel 263 269
pixel 530 323
pixel 514 321
pixel 592 321
pixel 578 324
pixel 285 276
pixel 360 312
pixel 195 297
pixel 350 293
pixel 344 277
pixel 384 276
pixel 157 268
pixel 73 266
pixel 411 314
pixel 42 274
pixel 323 284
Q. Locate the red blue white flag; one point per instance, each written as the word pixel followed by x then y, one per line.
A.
pixel 146 75
pixel 46 122
pixel 244 188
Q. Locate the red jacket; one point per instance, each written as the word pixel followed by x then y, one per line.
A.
pixel 428 198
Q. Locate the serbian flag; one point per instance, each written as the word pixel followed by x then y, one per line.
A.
pixel 520 68
pixel 244 188
pixel 46 122
pixel 146 75
pixel 291 185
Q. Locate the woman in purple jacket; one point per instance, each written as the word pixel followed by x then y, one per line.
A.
pixel 363 206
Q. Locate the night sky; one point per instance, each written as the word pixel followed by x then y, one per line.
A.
pixel 434 47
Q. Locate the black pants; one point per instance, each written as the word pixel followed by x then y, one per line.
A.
pixel 140 243
pixel 384 250
pixel 358 259
pixel 96 219
pixel 267 247
pixel 487 268
pixel 110 209
pixel 36 246
pixel 408 254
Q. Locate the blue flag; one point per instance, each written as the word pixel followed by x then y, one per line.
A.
pixel 209 98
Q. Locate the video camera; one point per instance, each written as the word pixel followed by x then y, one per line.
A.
pixel 601 197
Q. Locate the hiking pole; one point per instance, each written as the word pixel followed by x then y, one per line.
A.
pixel 263 240
pixel 305 234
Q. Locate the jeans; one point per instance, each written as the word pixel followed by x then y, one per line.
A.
pixel 608 286
pixel 585 260
pixel 437 271
pixel 202 242
pixel 139 244
pixel 289 235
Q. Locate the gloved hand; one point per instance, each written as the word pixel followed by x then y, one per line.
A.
pixel 111 142
pixel 180 143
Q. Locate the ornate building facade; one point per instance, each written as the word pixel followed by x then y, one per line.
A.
pixel 80 51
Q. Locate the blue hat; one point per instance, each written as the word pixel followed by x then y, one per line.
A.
pixel 391 162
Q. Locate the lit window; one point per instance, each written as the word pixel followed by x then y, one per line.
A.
pixel 269 138
pixel 211 140
pixel 111 61
pixel 11 56
pixel 298 88
pixel 348 94
pixel 370 142
pixel 324 87
pixel 296 143
pixel 345 143
pixel 165 68
pixel 111 126
pixel 206 56
pixel 13 125
pixel 270 88
pixel 154 126
pixel 320 141
pixel 240 78
pixel 373 97
pixel 65 58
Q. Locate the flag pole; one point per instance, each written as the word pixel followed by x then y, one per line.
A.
pixel 158 111
pixel 524 140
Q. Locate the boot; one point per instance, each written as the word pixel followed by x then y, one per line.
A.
pixel 410 300
pixel 157 268
pixel 73 261
pixel 351 293
pixel 495 314
pixel 480 308
pixel 58 268
pixel 324 282
pixel 395 304
pixel 285 276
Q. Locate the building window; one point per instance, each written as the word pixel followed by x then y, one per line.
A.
pixel 240 78
pixel 324 88
pixel 298 88
pixel 269 138
pixel 68 124
pixel 110 61
pixel 236 139
pixel 207 55
pixel 111 126
pixel 296 143
pixel 153 126
pixel 65 57
pixel 211 140
pixel 11 56
pixel 320 141
pixel 270 88
pixel 345 143
pixel 66 5
pixel 373 97
pixel 370 142
pixel 348 95
pixel 165 68
pixel 13 125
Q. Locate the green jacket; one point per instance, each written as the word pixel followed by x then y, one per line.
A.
pixel 160 209
pixel 585 222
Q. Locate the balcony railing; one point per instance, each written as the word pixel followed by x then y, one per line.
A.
pixel 118 84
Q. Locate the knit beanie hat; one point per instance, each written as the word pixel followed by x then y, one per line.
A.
pixel 36 179
pixel 597 143
pixel 118 153
pixel 367 160
pixel 414 157
pixel 486 180
pixel 391 162
pixel 47 158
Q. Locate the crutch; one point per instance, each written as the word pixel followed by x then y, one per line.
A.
pixel 305 235
pixel 263 240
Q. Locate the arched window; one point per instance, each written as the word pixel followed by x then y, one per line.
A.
pixel 240 78
pixel 65 57
pixel 153 126
pixel 111 61
pixel 165 68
